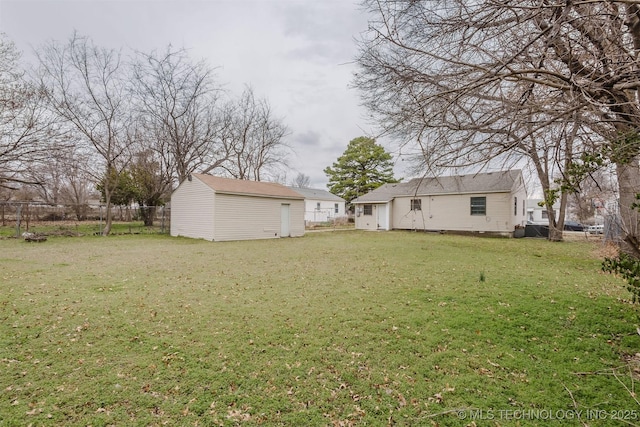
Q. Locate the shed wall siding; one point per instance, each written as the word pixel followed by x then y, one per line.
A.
pixel 453 212
pixel 245 217
pixel 296 213
pixel 192 208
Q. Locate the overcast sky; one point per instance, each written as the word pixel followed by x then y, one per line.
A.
pixel 298 54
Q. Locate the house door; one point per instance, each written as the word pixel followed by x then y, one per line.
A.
pixel 381 216
pixel 284 221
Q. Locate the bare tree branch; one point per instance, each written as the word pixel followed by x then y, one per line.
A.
pixel 475 84
pixel 177 101
pixel 85 86
pixel 29 134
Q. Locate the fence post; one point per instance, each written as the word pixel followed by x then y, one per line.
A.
pixel 162 227
pixel 18 213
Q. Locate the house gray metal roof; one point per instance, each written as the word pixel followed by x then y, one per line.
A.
pixel 316 194
pixel 490 182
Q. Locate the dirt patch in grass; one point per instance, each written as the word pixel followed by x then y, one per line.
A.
pixel 632 362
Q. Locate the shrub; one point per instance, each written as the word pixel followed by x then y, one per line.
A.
pixel 629 268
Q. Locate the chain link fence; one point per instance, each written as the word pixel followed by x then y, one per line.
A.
pixel 17 218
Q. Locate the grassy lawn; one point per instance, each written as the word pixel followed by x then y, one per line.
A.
pixel 337 328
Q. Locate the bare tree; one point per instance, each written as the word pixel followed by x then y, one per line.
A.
pixel 177 100
pixel 65 178
pixel 254 137
pixel 302 181
pixel 78 185
pixel 28 132
pixel 152 182
pixel 593 193
pixel 85 86
pixel 48 177
pixel 487 81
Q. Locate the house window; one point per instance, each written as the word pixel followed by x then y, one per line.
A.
pixel 416 204
pixel 368 210
pixel 318 206
pixel 545 214
pixel 336 208
pixel 478 206
pixel 523 208
pixel 515 206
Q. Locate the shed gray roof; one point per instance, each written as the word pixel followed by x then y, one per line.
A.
pixel 491 182
pixel 316 194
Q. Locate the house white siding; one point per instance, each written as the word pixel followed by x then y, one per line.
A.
pixel 243 218
pixel 538 214
pixel 520 216
pixel 489 202
pixel 379 219
pixel 320 205
pixel 453 212
pixel 504 211
pixel 322 210
pixel 192 209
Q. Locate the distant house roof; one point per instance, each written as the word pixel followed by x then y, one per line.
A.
pixel 491 182
pixel 316 194
pixel 246 187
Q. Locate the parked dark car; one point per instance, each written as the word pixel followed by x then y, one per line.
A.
pixel 573 226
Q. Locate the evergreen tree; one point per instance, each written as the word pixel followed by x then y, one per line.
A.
pixel 364 166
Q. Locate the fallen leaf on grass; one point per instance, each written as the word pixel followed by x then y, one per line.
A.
pixel 401 400
pixel 238 415
pixel 437 398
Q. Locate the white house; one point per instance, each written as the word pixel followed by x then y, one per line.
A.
pixel 537 214
pixel 493 202
pixel 214 208
pixel 321 205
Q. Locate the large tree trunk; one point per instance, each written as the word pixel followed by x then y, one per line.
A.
pixel 148 213
pixel 555 234
pixel 108 214
pixel 555 226
pixel 628 175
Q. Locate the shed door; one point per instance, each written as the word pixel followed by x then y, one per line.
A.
pixel 284 221
pixel 381 217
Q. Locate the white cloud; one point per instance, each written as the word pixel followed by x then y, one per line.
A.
pixel 295 53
